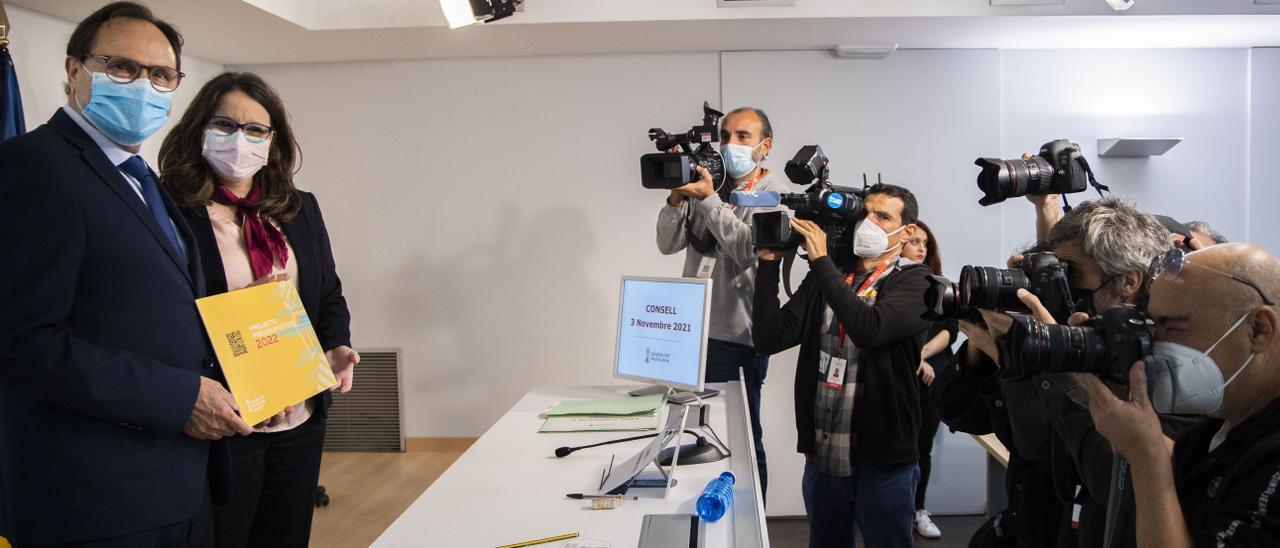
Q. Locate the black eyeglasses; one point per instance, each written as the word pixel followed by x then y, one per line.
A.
pixel 124 70
pixel 254 133
pixel 1172 263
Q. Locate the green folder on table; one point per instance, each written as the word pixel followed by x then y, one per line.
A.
pixel 643 413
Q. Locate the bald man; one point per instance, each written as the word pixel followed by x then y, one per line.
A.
pixel 1216 323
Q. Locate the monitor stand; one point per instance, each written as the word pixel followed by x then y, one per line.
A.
pixel 701 452
pixel 674 396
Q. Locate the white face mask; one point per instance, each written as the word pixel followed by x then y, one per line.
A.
pixel 233 156
pixel 1187 381
pixel 739 160
pixel 871 241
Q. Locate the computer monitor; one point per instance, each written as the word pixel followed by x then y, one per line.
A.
pixel 662 331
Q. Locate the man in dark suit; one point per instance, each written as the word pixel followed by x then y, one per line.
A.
pixel 108 397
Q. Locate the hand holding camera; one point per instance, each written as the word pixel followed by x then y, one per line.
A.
pixel 1129 424
pixel 699 189
pixel 815 239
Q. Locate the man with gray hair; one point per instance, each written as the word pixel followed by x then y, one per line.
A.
pixel 1107 246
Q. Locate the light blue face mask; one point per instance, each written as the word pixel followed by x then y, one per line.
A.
pixel 126 113
pixel 739 160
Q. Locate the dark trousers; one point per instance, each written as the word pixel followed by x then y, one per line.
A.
pixel 273 492
pixel 876 501
pixel 928 429
pixel 196 532
pixel 724 359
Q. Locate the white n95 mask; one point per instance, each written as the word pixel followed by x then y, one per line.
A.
pixel 233 156
pixel 871 241
pixel 1186 381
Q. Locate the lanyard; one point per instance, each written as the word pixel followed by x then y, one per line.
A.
pixel 862 290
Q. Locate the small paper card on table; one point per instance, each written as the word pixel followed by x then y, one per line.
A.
pixel 267 348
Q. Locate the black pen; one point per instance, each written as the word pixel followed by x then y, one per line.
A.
pixel 581 496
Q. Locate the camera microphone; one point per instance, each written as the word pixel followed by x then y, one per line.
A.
pixel 755 198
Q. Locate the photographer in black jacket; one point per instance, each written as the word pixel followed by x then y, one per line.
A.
pixel 860 331
pixel 1060 467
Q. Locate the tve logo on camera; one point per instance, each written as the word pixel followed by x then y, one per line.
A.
pixel 835 200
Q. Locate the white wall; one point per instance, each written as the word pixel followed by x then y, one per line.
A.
pixel 483 211
pixel 1264 175
pixel 919 118
pixel 39 49
pixel 1201 95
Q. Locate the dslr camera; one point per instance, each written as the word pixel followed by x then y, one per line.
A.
pixel 669 170
pixel 1107 346
pixel 1060 168
pixel 997 289
pixel 833 208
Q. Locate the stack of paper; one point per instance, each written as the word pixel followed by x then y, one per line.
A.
pixel 641 413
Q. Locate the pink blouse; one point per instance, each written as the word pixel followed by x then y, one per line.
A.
pixel 235 263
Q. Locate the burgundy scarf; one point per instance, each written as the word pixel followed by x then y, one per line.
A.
pixel 265 243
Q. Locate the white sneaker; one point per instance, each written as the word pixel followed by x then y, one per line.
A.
pixel 925 526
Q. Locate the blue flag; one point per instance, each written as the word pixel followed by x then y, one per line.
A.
pixel 11 121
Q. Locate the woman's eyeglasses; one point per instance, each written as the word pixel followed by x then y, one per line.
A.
pixel 254 133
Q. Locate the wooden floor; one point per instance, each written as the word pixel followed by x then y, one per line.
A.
pixel 368 491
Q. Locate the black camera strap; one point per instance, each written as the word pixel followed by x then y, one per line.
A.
pixel 1093 181
pixel 703 245
pixel 788 260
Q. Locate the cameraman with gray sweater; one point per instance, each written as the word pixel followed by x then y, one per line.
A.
pixel 717 240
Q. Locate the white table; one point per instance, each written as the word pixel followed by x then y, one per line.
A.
pixel 509 487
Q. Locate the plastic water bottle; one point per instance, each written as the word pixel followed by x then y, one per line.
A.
pixel 716 498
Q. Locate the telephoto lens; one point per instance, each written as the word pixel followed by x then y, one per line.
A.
pixel 1048 348
pixel 1004 179
pixel 1107 346
pixel 1060 168
pixel 942 301
pixel 992 288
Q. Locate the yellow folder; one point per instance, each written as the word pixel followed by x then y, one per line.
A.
pixel 267 348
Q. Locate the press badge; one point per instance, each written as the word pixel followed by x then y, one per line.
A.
pixel 835 374
pixel 704 269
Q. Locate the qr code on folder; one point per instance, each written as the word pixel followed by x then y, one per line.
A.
pixel 237 344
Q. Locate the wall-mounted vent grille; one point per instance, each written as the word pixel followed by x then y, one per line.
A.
pixel 367 418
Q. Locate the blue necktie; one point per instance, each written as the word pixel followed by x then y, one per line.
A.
pixel 137 169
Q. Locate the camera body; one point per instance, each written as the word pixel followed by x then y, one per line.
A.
pixel 667 170
pixel 833 208
pixel 1060 168
pixel 1106 346
pixel 994 288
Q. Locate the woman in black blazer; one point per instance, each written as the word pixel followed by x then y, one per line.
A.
pixel 229 164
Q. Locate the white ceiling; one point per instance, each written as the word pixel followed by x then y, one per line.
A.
pixel 237 32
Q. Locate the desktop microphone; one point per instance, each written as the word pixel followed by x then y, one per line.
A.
pixel 564 451
pixel 755 198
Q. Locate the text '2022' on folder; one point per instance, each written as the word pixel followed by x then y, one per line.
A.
pixel 267 348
